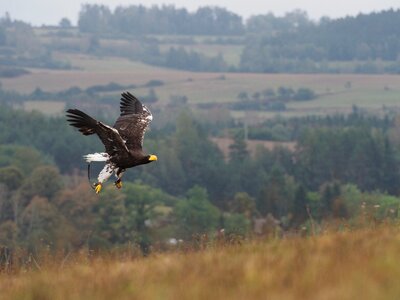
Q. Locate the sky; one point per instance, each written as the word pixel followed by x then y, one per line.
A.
pixel 50 12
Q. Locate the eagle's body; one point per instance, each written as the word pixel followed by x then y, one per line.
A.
pixel 123 142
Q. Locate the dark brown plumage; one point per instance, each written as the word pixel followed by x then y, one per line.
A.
pixel 124 141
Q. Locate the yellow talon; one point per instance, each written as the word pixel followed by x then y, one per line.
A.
pixel 98 188
pixel 118 184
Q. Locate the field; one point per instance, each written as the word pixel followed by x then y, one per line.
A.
pixel 230 53
pixel 337 92
pixel 252 145
pixel 51 107
pixel 359 264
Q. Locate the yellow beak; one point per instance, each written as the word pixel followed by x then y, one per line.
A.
pixel 152 158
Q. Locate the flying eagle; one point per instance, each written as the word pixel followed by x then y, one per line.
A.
pixel 123 142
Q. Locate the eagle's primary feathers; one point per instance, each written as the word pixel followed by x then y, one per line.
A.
pixel 123 142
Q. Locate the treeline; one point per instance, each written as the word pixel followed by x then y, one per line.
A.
pixel 283 129
pixel 271 99
pixel 100 94
pixel 183 59
pixel 363 37
pixel 138 19
pixel 296 44
pixel 293 43
pixel 20 47
pixel 294 35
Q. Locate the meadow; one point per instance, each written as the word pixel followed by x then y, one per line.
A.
pixel 230 53
pixel 351 264
pixel 337 93
pixel 252 145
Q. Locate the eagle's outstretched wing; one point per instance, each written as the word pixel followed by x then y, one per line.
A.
pixel 87 125
pixel 133 121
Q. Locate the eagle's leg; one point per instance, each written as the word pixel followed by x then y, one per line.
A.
pixel 103 176
pixel 118 173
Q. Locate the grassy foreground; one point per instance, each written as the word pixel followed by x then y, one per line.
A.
pixel 363 264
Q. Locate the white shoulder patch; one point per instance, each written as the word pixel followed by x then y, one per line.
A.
pixel 96 157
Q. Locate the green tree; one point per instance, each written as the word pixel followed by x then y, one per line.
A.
pixel 45 181
pixel 76 204
pixel 11 177
pixel 3 36
pixel 285 93
pixel 94 19
pixel 237 225
pixel 140 204
pixel 8 235
pixel 390 170
pixel 238 149
pixel 110 220
pixel 40 225
pixel 304 94
pixel 26 159
pixel 93 44
pixel 8 210
pixel 243 96
pixel 242 203
pixel 199 157
pixel 276 196
pixel 65 23
pixel 330 192
pixel 195 214
pixel 300 204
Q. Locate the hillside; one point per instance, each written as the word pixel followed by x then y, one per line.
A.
pixel 211 39
pixel 292 43
pixel 336 93
pixel 358 264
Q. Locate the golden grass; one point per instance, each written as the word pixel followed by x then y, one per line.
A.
pixel 362 264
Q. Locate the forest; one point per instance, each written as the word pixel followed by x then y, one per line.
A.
pixel 340 165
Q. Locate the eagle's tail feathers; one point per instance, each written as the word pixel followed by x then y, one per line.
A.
pixel 85 123
pixel 96 157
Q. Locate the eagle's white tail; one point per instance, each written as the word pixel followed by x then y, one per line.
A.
pixel 96 157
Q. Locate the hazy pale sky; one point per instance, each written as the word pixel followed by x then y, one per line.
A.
pixel 38 12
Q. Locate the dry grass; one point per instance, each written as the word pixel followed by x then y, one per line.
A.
pixel 361 264
pixel 230 53
pixel 45 107
pixel 338 92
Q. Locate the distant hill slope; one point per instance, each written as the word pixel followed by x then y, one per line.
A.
pixel 297 46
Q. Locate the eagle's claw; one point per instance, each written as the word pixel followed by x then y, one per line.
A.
pixel 97 187
pixel 118 184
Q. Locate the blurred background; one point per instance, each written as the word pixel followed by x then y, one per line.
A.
pixel 267 118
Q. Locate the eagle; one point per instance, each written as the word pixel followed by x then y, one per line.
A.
pixel 123 142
